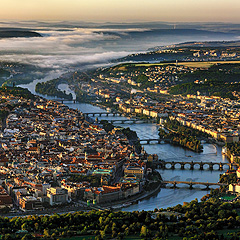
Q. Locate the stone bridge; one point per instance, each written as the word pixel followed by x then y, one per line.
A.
pixel 207 184
pixel 64 100
pixel 100 114
pixel 127 121
pixel 148 140
pixel 192 165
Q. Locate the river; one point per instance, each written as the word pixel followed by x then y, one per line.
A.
pixel 169 197
pixel 165 197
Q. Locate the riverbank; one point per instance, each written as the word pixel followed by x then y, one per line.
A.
pixel 82 206
pixel 117 205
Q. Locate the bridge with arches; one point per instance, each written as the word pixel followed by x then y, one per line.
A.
pixel 64 100
pixel 207 184
pixel 100 114
pixel 163 164
pixel 127 121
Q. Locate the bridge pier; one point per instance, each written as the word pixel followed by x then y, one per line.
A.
pixel 201 166
pixel 207 187
pixel 220 166
pixel 191 166
pixel 210 166
pixel 190 186
pixel 182 166
pixel 173 165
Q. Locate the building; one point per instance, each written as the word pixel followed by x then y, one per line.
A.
pixel 137 171
pixel 103 194
pixel 30 203
pixel 57 195
pixel 234 187
pixel 238 173
pixel 5 199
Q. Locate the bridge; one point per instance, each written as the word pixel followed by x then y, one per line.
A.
pixel 127 121
pixel 207 184
pixel 100 114
pixel 64 100
pixel 148 140
pixel 192 165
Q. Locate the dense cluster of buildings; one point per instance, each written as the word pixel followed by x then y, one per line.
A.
pixel 50 155
pixel 215 54
pixel 159 77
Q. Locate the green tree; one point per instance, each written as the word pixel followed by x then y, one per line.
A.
pixel 143 232
pixel 46 233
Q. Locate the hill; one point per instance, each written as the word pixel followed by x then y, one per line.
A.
pixel 18 33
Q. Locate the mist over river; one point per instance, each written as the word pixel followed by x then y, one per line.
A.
pixel 67 46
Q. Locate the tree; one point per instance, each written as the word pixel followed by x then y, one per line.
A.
pixel 46 233
pixel 143 232
pixel 102 234
pixel 24 226
pixel 27 237
pixel 36 226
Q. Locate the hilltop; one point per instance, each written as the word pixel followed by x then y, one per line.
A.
pixel 13 33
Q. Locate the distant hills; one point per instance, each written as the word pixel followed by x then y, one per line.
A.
pixel 17 33
pixel 184 52
pixel 200 44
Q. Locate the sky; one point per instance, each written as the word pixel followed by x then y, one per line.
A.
pixel 122 10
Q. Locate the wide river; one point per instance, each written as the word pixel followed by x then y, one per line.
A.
pixel 169 197
pixel 165 197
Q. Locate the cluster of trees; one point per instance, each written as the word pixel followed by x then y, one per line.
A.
pixel 107 126
pixel 133 138
pixel 181 135
pixel 50 88
pixel 3 114
pixel 25 73
pixel 95 181
pixel 3 75
pixel 229 178
pixel 209 88
pixel 17 91
pixel 143 79
pixel 195 220
pixel 130 134
pixel 189 142
pixel 214 79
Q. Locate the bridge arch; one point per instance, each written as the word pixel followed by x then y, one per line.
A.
pixel 195 165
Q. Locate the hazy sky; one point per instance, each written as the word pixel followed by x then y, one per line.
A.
pixel 122 10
